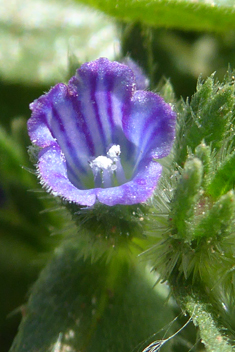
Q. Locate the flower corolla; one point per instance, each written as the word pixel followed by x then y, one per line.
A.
pixel 99 136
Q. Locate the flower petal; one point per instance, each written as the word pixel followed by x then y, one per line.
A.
pixel 38 124
pixel 141 80
pixel 79 123
pixel 138 190
pixel 53 173
pixel 150 124
pixel 103 91
pixel 54 120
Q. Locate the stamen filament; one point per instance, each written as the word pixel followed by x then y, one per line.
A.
pixel 104 167
pixel 107 178
pixel 120 175
pixel 97 178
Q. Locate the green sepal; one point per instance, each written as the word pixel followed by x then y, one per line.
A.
pixel 103 229
pixel 224 177
pixel 186 196
pixel 194 248
pixel 206 118
pixel 203 152
pixel 218 220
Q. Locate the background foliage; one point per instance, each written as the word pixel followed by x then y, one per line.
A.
pixel 42 42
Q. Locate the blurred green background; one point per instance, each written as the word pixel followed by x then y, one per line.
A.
pixel 41 43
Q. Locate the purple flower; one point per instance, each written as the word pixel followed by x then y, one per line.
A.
pixel 99 136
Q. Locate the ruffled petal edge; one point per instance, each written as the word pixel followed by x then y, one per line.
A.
pixel 150 124
pixel 53 176
pixel 138 190
pixel 52 172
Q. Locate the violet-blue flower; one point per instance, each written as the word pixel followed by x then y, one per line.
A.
pixel 99 136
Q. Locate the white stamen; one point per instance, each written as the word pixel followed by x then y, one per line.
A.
pixel 101 162
pixel 104 166
pixel 114 151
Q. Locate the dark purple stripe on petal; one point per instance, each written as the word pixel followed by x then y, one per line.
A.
pixel 165 135
pixel 64 141
pixel 158 137
pixel 101 107
pixel 76 179
pixel 102 87
pixel 129 146
pixel 38 127
pixel 148 131
pixel 110 112
pixel 86 108
pixel 150 125
pixel 118 101
pixel 93 84
pixel 138 190
pixel 82 125
pixel 109 88
pixel 53 174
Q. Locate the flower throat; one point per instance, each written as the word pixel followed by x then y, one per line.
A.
pixel 108 170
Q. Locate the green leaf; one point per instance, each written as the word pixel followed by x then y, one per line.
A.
pixel 19 214
pixel 13 157
pixel 79 306
pixel 46 34
pixel 187 15
pixel 24 232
